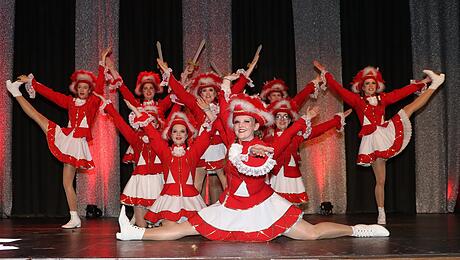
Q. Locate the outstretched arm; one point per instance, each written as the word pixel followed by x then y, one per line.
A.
pixel 244 76
pixel 348 96
pixel 125 92
pixel 186 98
pixel 224 116
pixel 303 125
pixel 125 130
pixel 100 82
pixel 398 94
pixel 54 96
pixel 304 94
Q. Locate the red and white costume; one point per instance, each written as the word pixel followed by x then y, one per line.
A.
pixel 286 178
pixel 249 209
pixel 380 138
pixel 213 158
pixel 179 198
pixel 157 107
pixel 146 181
pixel 70 144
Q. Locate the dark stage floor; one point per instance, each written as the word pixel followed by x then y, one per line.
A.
pixel 414 236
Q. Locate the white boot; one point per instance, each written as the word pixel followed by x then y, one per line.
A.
pixel 369 231
pixel 436 80
pixel 381 220
pixel 133 220
pixel 74 221
pixel 128 231
pixel 13 88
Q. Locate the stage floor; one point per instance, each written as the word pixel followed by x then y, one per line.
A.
pixel 412 236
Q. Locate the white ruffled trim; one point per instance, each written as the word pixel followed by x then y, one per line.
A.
pixel 215 109
pixel 103 105
pixel 342 122
pixel 319 84
pixel 237 159
pixel 30 89
pixel 316 86
pixel 243 72
pixel 322 76
pixel 305 134
pixel 225 87
pixel 175 99
pixel 116 84
pixel 422 90
pixel 165 77
pixel 113 83
pixel 79 102
pixel 138 124
pixel 178 151
pixel 207 125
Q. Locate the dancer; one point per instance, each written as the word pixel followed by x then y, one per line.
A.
pixel 179 198
pixel 70 144
pixel 206 86
pixel 286 178
pixel 276 89
pixel 249 209
pixel 146 181
pixel 381 139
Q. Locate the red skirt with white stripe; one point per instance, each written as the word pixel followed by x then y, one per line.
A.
pixel 174 208
pixel 263 222
pixel 142 190
pixel 292 189
pixel 69 149
pixel 214 157
pixel 385 142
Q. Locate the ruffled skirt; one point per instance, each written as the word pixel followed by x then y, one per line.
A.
pixel 69 149
pixel 386 142
pixel 260 223
pixel 142 190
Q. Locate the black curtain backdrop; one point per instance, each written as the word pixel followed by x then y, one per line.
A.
pixel 269 23
pixel 43 45
pixel 141 25
pixel 378 33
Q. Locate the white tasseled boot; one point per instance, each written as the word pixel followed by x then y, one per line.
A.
pixel 128 231
pixel 381 220
pixel 133 220
pixel 13 88
pixel 369 231
pixel 436 80
pixel 74 221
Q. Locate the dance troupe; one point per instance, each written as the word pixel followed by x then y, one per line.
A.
pixel 207 124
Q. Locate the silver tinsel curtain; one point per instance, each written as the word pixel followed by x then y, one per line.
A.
pixel 317 36
pixel 436 45
pixel 96 28
pixel 6 70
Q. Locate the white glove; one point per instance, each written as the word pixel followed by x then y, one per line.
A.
pixel 13 88
pixel 436 80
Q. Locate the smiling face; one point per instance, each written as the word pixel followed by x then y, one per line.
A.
pixel 244 127
pixel 282 120
pixel 178 134
pixel 208 94
pixel 83 90
pixel 274 96
pixel 369 87
pixel 148 91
